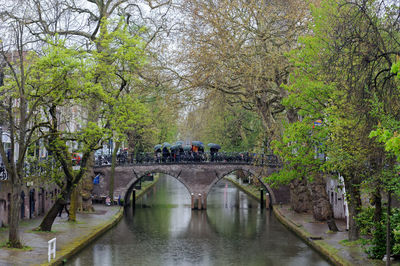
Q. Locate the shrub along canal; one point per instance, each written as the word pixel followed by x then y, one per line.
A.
pixel 163 230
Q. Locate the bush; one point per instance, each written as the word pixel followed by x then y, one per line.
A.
pixel 378 241
pixel 396 231
pixel 365 221
pixel 376 231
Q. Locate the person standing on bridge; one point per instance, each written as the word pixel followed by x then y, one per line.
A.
pixel 173 155
pixel 212 153
pixel 158 155
pixel 165 154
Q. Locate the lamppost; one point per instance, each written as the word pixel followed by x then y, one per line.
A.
pixel 3 172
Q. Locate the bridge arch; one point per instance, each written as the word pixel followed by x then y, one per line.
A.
pixel 250 171
pixel 140 176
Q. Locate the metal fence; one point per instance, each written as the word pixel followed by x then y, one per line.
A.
pixel 191 157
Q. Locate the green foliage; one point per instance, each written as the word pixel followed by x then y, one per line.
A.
pixel 396 231
pixel 42 171
pixel 129 113
pixel 229 125
pixel 377 247
pixel 311 92
pixel 347 243
pixel 85 98
pixel 396 68
pixel 164 117
pixel 337 78
pixel 299 148
pixel 375 232
pixel 365 221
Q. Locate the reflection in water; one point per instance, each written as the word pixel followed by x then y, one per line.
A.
pixel 163 230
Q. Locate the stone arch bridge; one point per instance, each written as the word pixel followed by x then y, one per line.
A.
pixel 198 178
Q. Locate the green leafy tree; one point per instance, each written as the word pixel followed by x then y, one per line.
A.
pixel 105 77
pixel 65 73
pixel 387 133
pixel 338 70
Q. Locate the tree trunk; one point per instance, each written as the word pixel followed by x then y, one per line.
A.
pixel 51 215
pixel 354 203
pixel 377 202
pixel 86 186
pixel 112 176
pixel 87 183
pixel 74 205
pixel 388 246
pixel 15 210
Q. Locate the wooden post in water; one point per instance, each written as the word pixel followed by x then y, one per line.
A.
pixel 267 200
pixel 204 203
pixel 262 197
pixel 133 198
pixel 199 202
pixel 192 201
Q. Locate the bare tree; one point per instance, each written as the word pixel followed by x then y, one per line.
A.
pixel 19 106
pixel 238 47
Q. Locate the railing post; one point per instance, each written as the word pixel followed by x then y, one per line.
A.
pixel 51 248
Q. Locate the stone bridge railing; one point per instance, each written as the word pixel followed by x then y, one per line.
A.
pixel 192 157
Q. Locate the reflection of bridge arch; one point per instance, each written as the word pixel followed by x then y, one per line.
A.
pixel 226 223
pixel 197 178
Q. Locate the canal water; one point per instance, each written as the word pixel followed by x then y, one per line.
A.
pixel 163 230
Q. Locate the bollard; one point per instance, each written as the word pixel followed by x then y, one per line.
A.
pixel 192 201
pixel 52 248
pixel 267 200
pixel 199 202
